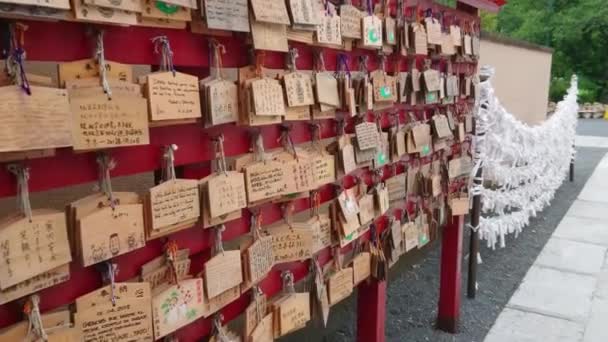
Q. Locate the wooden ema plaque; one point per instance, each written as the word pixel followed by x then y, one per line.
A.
pixel 207 220
pixel 303 13
pixel 263 331
pixel 215 304
pixel 158 273
pixel 101 123
pixel 177 306
pixel 89 68
pixel 340 285
pixel 37 121
pixel 255 312
pixel 42 281
pixel 227 15
pixel 57 325
pixel 321 231
pixel 267 95
pixel 328 30
pixel 222 102
pixel 350 21
pixel 223 272
pixel 107 233
pixel 292 312
pixel 290 244
pixel 226 193
pixel 130 319
pixel 361 267
pixel 259 259
pixel 269 179
pixel 270 11
pixel 173 12
pixel 128 5
pixel 30 248
pixel 268 36
pixel 173 96
pixel 298 87
pixel 172 206
pixel 57 4
pixel 94 14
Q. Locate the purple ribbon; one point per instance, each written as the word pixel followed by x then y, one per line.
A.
pixel 370 9
pixel 25 85
pixel 343 64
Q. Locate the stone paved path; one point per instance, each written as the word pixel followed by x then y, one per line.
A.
pixel 564 295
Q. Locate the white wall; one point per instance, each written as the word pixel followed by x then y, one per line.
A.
pixel 522 76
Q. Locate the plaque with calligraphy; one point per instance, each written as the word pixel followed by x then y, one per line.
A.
pixel 30 248
pixel 385 88
pixel 433 29
pixel 177 306
pixel 57 4
pixel 129 318
pixel 303 12
pixel 324 169
pixel 366 208
pixel 173 96
pixel 269 179
pixel 223 106
pixel 207 220
pixel 328 30
pixel 128 5
pixel 268 97
pixel 101 123
pixel 390 31
pixel 290 244
pixel 431 80
pixel 37 121
pixel 226 193
pixel 216 303
pixel 298 87
pixel 301 113
pixel 367 135
pixel 321 232
pixel 90 13
pixel 157 273
pixel 456 35
pixel 347 157
pixel 42 281
pixel 420 39
pixel 260 259
pixel 267 36
pixel 228 15
pixel 173 205
pixel 89 68
pixel 340 285
pixel 350 21
pixel 255 313
pixel 223 272
pixel 109 232
pixel 270 11
pixel 396 186
pixel 263 332
pixel 293 313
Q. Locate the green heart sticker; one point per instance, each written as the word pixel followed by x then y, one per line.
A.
pixel 426 150
pixel 391 37
pixel 381 158
pixel 166 8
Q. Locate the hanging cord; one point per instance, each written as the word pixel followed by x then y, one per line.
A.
pixel 14 62
pixel 337 258
pixel 291 58
pixel 287 142
pixel 260 57
pixel 315 203
pixel 257 144
pixel 23 194
pixel 35 327
pixel 106 164
pixel 319 60
pixel 220 333
pixel 109 276
pixel 288 282
pixel 315 134
pixel 169 163
pixel 171 250
pixel 287 209
pixel 257 298
pixel 218 245
pixel 101 60
pixel 163 47
pixel 363 59
pixel 256 223
pixel 216 50
pixel 220 156
pixel 343 68
pixel 369 7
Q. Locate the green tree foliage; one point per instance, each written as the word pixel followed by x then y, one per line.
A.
pixel 577 30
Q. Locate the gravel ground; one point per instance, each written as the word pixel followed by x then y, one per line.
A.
pixel 414 282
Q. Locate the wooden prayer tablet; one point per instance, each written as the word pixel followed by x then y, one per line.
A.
pixel 57 4
pixel 37 121
pixel 372 32
pixel 128 5
pixel 410 236
pixel 102 123
pixel 290 244
pixel 226 193
pixel 164 10
pixel 57 325
pixel 42 281
pixel 327 89
pixel 130 318
pixel 222 102
pixel 260 259
pixel 298 87
pixel 263 331
pixel 107 233
pixel 267 95
pixel 303 13
pixel 328 30
pixel 361 267
pixel 30 248
pixel 268 36
pixel 255 313
pixel 227 15
pixel 350 21
pixel 293 312
pixel 340 285
pixel 171 206
pixel 269 179
pixel 419 37
pixel 213 305
pixel 223 272
pixel 173 96
pixel 177 306
pixel 367 135
pixel 94 14
pixel 270 11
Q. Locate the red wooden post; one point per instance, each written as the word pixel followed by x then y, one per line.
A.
pixel 371 311
pixel 449 291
